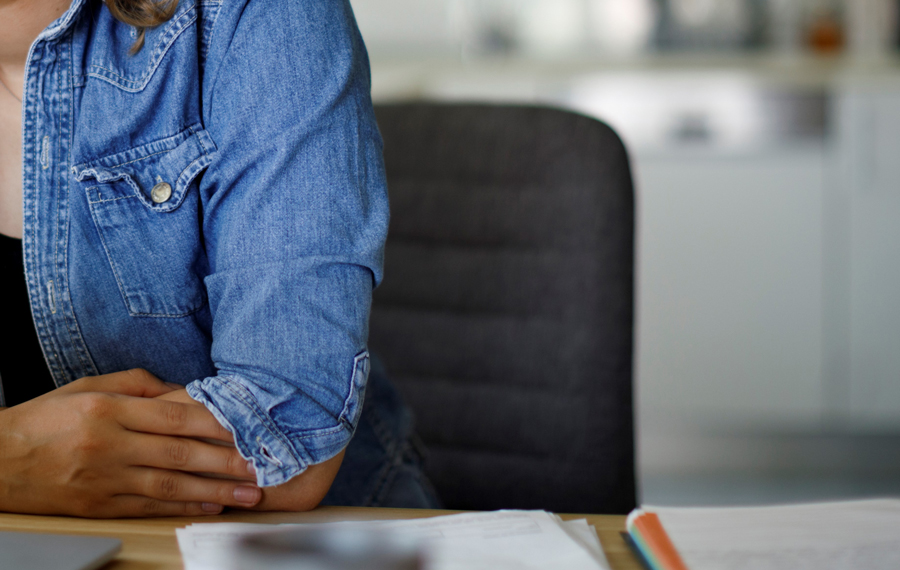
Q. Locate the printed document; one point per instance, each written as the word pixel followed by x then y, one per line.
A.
pixel 501 540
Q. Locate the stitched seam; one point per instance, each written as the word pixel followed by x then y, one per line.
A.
pixel 190 177
pixel 212 29
pixel 110 260
pixel 115 271
pixel 164 315
pixel 89 165
pixel 200 140
pixel 267 423
pixel 319 433
pixel 141 158
pixel 51 34
pixel 181 183
pixel 43 326
pixel 139 84
pixel 215 81
pixel 65 295
pixel 357 360
pixel 107 200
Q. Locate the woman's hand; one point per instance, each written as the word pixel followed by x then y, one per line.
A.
pixel 107 447
pixel 302 493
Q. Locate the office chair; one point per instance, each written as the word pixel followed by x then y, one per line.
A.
pixel 506 314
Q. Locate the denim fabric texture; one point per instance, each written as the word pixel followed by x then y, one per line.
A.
pixel 383 466
pixel 212 209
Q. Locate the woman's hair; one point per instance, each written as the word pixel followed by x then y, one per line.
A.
pixel 142 14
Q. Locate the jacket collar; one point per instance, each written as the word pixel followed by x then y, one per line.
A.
pixel 63 23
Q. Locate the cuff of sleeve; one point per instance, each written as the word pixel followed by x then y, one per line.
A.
pixel 256 436
pixel 279 453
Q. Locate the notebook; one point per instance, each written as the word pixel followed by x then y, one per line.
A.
pixel 28 551
pixel 826 536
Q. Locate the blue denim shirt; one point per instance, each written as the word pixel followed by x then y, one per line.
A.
pixel 212 209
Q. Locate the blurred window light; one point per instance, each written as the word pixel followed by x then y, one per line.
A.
pixel 623 26
pixel 407 25
pixel 732 112
pixel 483 27
pixel 711 23
pixel 574 28
pixel 656 111
pixel 697 13
pixel 785 22
pixel 551 27
pixel 872 26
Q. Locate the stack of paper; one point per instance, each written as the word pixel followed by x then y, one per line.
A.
pixel 526 540
pixel 824 536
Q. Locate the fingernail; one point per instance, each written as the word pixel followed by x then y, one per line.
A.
pixel 247 495
pixel 251 469
pixel 174 385
pixel 211 507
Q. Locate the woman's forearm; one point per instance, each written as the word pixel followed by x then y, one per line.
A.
pixel 123 453
pixel 305 491
pixel 302 493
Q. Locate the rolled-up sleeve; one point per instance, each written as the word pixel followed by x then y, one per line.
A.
pixel 294 220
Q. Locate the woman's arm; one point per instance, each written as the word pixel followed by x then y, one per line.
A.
pixel 302 493
pixel 294 218
pixel 105 447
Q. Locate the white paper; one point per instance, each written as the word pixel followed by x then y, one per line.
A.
pixel 586 536
pixel 521 540
pixel 858 535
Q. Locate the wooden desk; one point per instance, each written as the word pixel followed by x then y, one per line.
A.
pixel 149 544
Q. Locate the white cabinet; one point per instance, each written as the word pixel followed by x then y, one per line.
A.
pixel 730 270
pixel 872 183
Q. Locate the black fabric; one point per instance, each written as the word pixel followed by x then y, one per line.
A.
pixel 506 314
pixel 23 369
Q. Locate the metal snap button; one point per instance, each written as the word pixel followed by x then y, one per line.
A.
pixel 161 192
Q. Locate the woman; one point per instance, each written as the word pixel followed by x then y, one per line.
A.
pixel 204 205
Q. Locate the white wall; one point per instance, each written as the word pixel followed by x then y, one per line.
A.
pixel 406 26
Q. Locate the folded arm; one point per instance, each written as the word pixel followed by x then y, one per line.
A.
pixel 295 217
pixel 301 493
pixel 107 447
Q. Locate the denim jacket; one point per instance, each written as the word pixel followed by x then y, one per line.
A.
pixel 212 209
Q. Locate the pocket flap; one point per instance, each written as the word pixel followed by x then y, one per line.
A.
pixel 174 161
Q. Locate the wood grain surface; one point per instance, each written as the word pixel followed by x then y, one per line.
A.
pixel 149 544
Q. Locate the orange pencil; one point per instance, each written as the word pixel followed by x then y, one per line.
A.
pixel 652 531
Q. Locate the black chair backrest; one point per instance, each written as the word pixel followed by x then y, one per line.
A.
pixel 506 314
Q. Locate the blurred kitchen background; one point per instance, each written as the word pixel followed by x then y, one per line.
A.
pixel 765 145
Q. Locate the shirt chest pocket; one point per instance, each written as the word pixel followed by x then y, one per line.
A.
pixel 146 207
